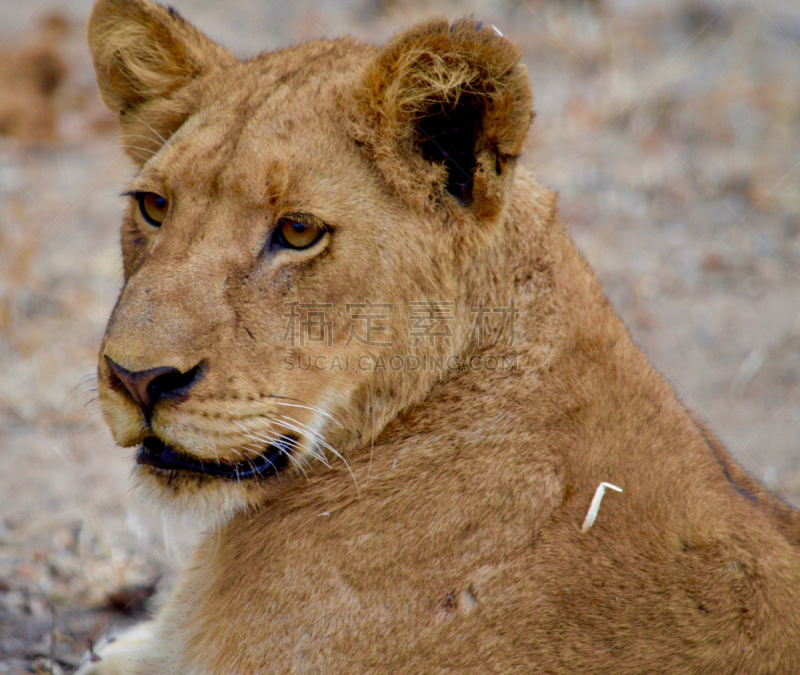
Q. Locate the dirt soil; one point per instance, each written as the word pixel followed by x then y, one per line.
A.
pixel 671 129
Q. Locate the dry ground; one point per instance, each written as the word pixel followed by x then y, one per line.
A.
pixel 670 128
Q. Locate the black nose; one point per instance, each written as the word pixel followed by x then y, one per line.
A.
pixel 148 387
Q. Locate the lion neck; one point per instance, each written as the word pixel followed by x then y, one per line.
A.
pixel 532 267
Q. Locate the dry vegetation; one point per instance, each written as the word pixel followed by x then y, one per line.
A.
pixel 671 129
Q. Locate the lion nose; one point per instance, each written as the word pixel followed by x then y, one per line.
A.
pixel 148 387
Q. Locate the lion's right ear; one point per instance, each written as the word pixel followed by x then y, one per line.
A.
pixel 443 111
pixel 144 57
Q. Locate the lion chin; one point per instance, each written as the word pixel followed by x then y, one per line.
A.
pixel 357 345
pixel 206 494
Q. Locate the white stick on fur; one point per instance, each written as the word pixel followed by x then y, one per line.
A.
pixel 594 508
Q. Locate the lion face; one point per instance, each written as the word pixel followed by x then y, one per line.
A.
pixel 289 216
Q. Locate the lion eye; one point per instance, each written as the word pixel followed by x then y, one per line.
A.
pixel 153 207
pixel 294 234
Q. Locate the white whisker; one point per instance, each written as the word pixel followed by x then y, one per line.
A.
pixel 311 408
pixel 136 117
pixel 139 148
pixel 302 429
pixel 320 440
pixel 262 438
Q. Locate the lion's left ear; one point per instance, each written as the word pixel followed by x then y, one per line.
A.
pixel 145 57
pixel 444 110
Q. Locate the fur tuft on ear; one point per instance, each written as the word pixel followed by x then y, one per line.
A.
pixel 444 110
pixel 144 57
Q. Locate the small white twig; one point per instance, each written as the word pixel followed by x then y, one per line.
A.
pixel 594 508
pixel 497 30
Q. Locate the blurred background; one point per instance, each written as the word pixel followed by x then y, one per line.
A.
pixel 670 128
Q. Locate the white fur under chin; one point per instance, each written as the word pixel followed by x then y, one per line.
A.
pixel 195 512
pixel 189 516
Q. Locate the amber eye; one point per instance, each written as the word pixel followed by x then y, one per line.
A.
pixel 292 233
pixel 153 207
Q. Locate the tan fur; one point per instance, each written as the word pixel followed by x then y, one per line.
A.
pixel 438 527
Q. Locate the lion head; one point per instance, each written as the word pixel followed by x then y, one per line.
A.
pixel 278 201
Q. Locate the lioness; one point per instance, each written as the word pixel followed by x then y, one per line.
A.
pixel 355 341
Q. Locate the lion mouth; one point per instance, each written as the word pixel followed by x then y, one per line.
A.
pixel 154 452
